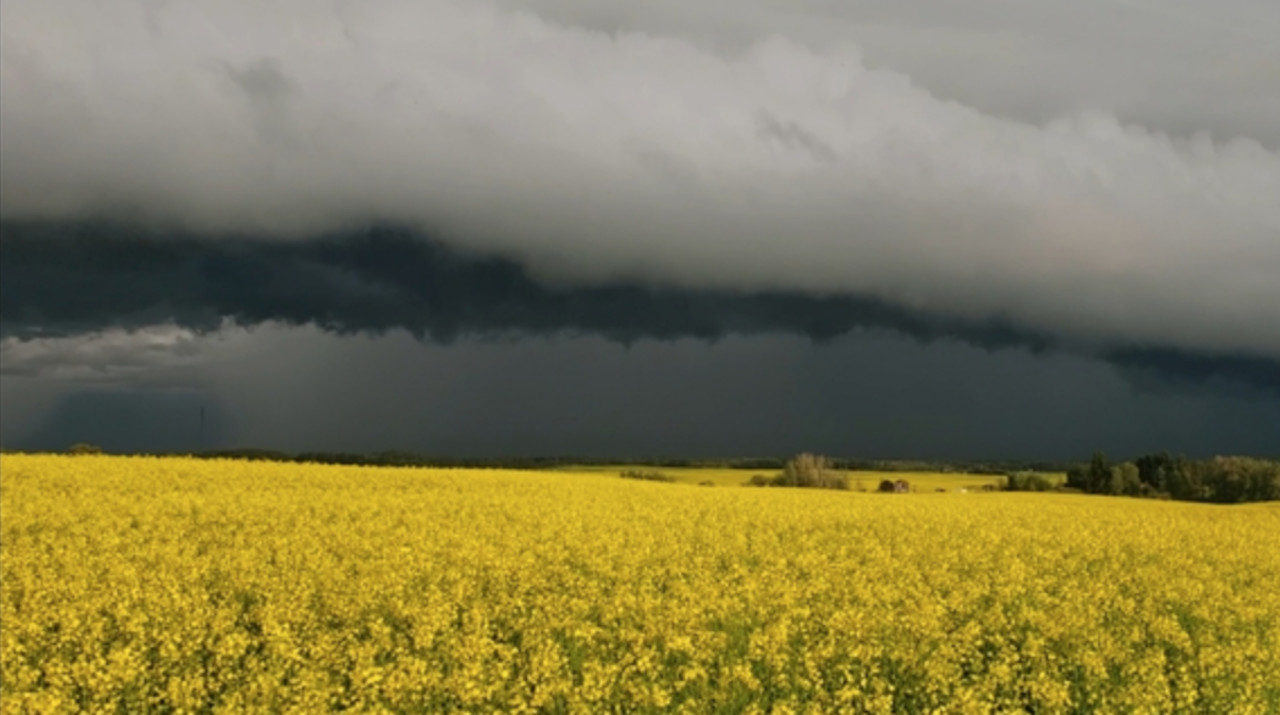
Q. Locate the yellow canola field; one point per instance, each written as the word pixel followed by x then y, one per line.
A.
pixel 173 585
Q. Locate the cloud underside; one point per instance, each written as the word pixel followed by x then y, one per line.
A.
pixel 60 280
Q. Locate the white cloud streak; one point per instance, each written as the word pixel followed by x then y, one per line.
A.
pixel 159 355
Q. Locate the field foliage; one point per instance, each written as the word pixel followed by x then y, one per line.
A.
pixel 172 585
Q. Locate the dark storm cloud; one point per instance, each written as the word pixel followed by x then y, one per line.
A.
pixel 129 421
pixel 780 183
pixel 871 395
pixel 56 280
pixel 384 279
pixel 1139 362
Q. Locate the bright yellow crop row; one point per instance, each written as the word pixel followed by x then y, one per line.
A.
pixel 171 585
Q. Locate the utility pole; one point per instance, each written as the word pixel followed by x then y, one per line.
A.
pixel 202 429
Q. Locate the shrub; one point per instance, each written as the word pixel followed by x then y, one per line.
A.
pixel 706 483
pixel 1028 482
pixel 811 471
pixel 647 476
pixel 84 448
pixel 759 480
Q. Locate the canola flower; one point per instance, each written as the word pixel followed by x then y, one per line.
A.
pixel 186 586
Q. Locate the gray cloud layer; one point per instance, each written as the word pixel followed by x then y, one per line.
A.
pixel 1176 66
pixel 593 157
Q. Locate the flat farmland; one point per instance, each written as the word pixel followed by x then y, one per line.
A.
pixel 868 480
pixel 176 585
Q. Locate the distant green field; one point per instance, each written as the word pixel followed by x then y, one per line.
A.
pixel 723 477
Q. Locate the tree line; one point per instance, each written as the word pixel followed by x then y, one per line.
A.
pixel 1220 480
pixel 401 458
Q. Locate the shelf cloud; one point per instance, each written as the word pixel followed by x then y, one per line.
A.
pixel 224 160
pixel 385 279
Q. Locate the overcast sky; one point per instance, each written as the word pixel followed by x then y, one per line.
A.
pixel 987 229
